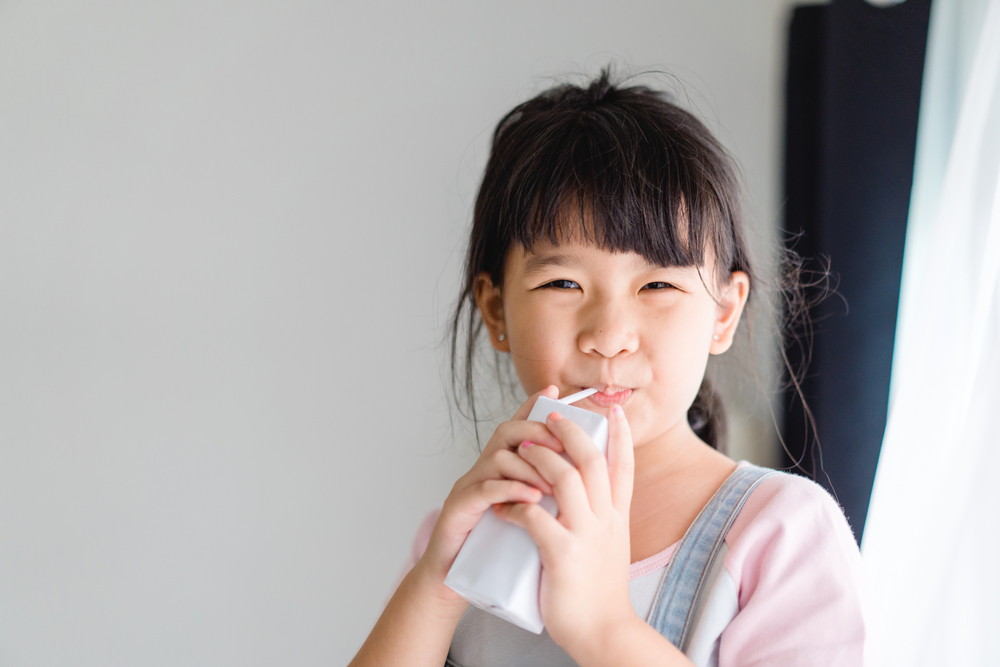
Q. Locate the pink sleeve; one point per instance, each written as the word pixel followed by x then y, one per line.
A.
pixel 798 575
pixel 420 541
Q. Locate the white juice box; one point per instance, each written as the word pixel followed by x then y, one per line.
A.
pixel 498 568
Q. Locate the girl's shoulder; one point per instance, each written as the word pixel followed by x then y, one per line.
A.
pixel 794 563
pixel 788 511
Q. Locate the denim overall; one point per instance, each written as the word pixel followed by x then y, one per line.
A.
pixel 694 568
pixel 690 570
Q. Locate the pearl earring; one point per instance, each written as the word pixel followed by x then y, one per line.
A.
pixel 501 337
pixel 715 337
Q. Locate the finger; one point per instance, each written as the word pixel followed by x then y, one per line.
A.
pixel 512 466
pixel 465 508
pixel 567 485
pixel 546 532
pixel 473 501
pixel 621 459
pixel 511 434
pixel 586 457
pixel 522 413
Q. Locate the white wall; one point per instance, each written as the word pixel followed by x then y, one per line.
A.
pixel 225 227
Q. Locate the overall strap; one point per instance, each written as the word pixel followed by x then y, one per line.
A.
pixel 684 578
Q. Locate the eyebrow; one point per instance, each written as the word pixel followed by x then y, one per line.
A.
pixel 537 263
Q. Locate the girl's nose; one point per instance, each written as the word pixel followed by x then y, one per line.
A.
pixel 609 332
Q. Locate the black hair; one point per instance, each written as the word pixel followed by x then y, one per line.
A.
pixel 646 175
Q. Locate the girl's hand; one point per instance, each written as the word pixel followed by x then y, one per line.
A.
pixel 499 476
pixel 585 551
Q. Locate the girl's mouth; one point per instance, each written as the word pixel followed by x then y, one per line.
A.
pixel 609 396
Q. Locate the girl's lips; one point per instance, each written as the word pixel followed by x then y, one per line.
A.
pixel 603 400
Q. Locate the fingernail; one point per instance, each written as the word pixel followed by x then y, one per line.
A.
pixel 526 444
pixel 618 411
pixel 555 416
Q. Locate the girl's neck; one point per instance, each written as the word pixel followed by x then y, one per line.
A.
pixel 675 475
pixel 673 454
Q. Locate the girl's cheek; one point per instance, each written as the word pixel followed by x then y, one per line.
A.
pixel 540 344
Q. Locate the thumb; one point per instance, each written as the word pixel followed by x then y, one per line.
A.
pixel 621 459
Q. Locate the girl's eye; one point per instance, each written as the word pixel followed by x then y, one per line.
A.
pixel 562 284
pixel 658 285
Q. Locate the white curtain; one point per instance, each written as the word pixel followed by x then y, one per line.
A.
pixel 932 539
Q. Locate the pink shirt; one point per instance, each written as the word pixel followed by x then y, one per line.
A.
pixel 793 580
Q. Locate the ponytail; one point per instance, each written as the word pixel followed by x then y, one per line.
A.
pixel 707 416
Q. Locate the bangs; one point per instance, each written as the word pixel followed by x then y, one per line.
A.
pixel 620 178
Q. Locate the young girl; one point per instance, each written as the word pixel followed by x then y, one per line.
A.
pixel 608 251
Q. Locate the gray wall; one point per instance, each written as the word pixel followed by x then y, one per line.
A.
pixel 226 230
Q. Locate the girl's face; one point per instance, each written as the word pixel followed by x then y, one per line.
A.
pixel 576 316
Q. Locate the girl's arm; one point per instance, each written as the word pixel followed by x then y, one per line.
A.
pixel 417 625
pixel 585 551
pixel 633 642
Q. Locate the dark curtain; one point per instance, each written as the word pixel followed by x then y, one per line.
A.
pixel 853 90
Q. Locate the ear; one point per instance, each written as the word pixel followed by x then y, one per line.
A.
pixel 728 312
pixel 489 299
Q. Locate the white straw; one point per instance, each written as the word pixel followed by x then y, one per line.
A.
pixel 578 396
